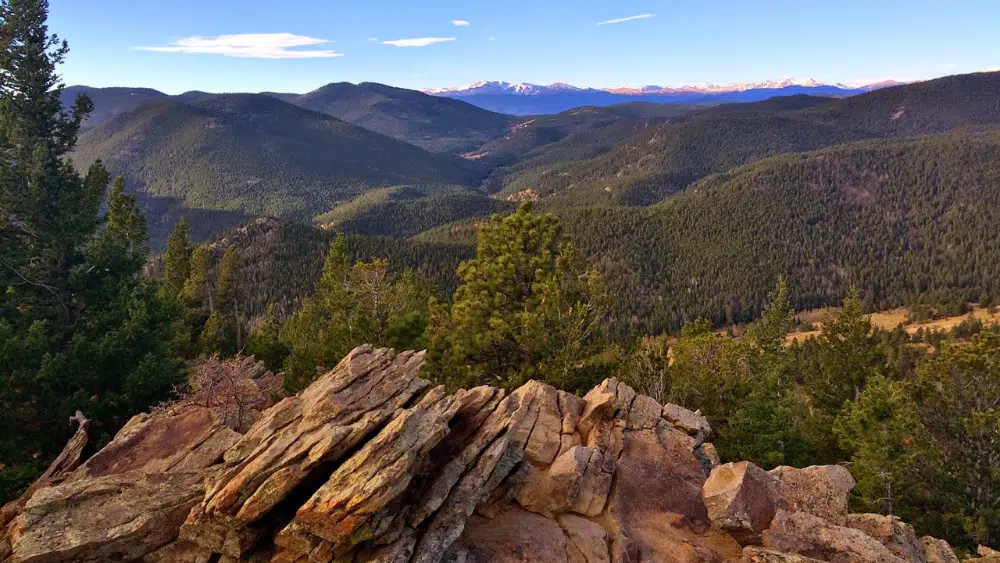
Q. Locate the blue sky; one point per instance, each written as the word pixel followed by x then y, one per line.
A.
pixel 539 41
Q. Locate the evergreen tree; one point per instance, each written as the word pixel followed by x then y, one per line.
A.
pixel 527 308
pixel 264 342
pixel 177 260
pixel 227 292
pixel 769 332
pixel 353 305
pixel 79 327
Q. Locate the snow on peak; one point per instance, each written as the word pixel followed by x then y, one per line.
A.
pixel 524 88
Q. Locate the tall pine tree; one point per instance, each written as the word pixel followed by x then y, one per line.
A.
pixel 79 328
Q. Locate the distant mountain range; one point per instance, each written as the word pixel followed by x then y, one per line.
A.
pixel 530 99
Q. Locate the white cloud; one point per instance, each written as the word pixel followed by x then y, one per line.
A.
pixel 460 23
pixel 373 39
pixel 630 18
pixel 993 69
pixel 417 41
pixel 250 46
pixel 493 38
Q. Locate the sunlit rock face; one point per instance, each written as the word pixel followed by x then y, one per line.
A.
pixel 372 463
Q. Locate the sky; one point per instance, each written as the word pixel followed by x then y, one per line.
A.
pixel 298 45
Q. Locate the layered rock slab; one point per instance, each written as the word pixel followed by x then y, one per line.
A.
pixel 302 437
pixel 113 518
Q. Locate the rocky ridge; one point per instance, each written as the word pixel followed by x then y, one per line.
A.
pixel 372 463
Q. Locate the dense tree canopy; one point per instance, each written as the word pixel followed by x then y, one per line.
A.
pixel 79 327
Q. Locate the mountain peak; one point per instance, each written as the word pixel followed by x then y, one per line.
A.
pixel 494 87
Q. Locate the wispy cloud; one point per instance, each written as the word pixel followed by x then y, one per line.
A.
pixel 373 39
pixel 417 41
pixel 460 23
pixel 630 18
pixel 250 46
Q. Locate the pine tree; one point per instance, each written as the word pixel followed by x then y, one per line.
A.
pixel 228 296
pixel 197 289
pixel 264 342
pixel 769 332
pixel 527 307
pixel 81 330
pixel 177 260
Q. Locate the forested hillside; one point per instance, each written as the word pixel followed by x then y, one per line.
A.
pixel 644 168
pixel 437 124
pixel 283 260
pixel 403 212
pixel 898 219
pixel 257 155
pixel 110 102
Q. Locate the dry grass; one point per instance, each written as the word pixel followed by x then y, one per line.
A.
pixel 895 317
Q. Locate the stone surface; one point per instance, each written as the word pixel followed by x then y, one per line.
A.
pixel 820 490
pixel 655 511
pixel 301 437
pixel 371 465
pixel 113 518
pixel 937 551
pixel 892 532
pixel 690 422
pixel 752 554
pixel 811 536
pixel 184 440
pixel 493 453
pixel 515 536
pixel 350 505
pixel 62 468
pixel 586 541
pixel 738 499
pixel 575 481
pixel 708 456
pixel 179 551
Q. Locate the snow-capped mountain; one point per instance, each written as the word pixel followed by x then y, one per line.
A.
pixel 493 87
pixel 522 98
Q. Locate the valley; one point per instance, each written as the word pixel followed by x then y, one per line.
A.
pixel 690 211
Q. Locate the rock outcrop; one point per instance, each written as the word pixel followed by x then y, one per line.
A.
pixel 372 463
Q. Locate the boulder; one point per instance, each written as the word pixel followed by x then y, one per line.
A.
pixel 693 423
pixel 655 510
pixel 753 554
pixel 349 507
pixel 986 555
pixel 179 551
pixel 937 551
pixel 820 490
pixel 892 532
pixel 577 481
pixel 490 457
pixel 587 541
pixel 805 534
pixel 708 456
pixel 738 499
pixel 370 464
pixel 118 517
